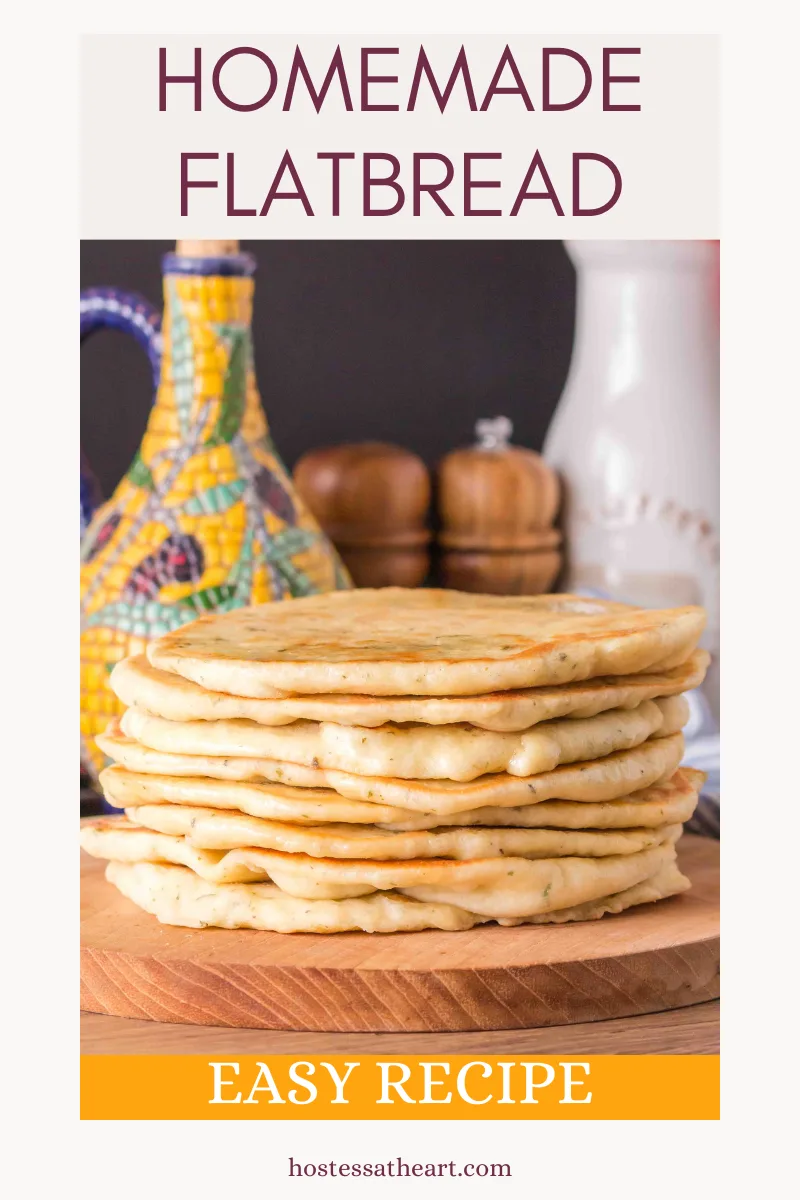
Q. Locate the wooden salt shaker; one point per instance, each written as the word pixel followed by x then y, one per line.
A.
pixel 497 504
pixel 372 500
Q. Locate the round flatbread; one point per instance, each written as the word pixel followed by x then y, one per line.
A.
pixel 176 896
pixel 494 887
pixel 271 801
pixel 139 684
pixel 607 778
pixel 423 642
pixel 117 839
pixel 498 888
pixel 667 803
pixel 457 752
pixel 217 829
pixel 132 754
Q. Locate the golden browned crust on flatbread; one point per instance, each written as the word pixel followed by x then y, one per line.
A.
pixel 423 642
pixel 139 684
pixel 456 752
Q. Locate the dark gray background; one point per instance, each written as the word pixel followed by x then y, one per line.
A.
pixel 408 342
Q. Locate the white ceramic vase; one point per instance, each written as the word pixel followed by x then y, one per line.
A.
pixel 635 436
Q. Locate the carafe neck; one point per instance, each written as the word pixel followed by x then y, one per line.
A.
pixel 645 308
pixel 207 393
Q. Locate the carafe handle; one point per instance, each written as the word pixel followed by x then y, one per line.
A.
pixel 110 308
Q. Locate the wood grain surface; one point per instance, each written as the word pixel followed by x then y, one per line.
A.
pixel 657 957
pixel 692 1030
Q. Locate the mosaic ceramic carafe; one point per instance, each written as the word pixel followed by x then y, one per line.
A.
pixel 206 518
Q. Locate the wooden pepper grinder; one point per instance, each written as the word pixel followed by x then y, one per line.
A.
pixel 372 500
pixel 497 504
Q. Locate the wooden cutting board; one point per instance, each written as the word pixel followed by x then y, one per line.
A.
pixel 656 957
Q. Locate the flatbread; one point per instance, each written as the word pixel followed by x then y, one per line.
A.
pixel 608 778
pixel 216 829
pixel 176 896
pixel 136 757
pixel 667 803
pixel 271 801
pixel 423 642
pixel 457 752
pixel 498 888
pixel 122 841
pixel 662 804
pixel 493 887
pixel 138 684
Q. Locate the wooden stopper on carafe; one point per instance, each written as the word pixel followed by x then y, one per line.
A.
pixel 193 248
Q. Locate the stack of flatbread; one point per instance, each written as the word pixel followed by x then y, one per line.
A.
pixel 397 759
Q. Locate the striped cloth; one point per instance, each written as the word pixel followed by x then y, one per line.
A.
pixel 702 752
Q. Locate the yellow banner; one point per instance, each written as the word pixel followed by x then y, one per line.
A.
pixel 399 1087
